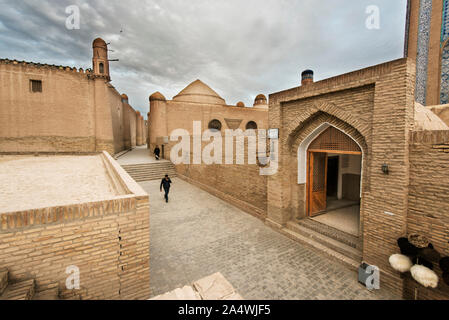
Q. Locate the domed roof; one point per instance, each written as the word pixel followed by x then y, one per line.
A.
pixel 138 113
pixel 199 92
pixel 99 43
pixel 124 96
pixel 157 96
pixel 240 104
pixel 425 119
pixel 260 100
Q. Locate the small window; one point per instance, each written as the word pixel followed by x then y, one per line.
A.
pixel 251 125
pixel 36 85
pixel 101 68
pixel 215 125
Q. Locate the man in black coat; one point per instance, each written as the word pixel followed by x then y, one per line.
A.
pixel 157 153
pixel 165 183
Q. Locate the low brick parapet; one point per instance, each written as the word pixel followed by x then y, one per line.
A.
pixel 108 240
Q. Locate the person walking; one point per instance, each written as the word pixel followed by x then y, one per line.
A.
pixel 165 183
pixel 157 153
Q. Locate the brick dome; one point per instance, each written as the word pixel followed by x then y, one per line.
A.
pixel 157 96
pixel 99 43
pixel 260 99
pixel 240 104
pixel 199 92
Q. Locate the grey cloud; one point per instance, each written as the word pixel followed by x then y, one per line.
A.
pixel 240 48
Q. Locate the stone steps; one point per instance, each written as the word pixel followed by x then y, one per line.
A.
pixel 337 244
pixel 3 280
pixel 150 171
pixel 23 290
pixel 311 242
pixel 333 233
pixel 329 242
pixel 50 294
pixel 151 177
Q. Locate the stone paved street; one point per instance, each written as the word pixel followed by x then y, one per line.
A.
pixel 196 235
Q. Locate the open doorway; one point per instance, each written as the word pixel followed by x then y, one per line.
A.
pixel 334 177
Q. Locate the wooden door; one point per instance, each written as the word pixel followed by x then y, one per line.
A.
pixel 317 186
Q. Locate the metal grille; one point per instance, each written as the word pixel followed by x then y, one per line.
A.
pixel 334 140
pixel 36 85
pixel 319 168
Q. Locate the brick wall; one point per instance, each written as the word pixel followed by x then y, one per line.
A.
pixel 375 106
pixel 428 199
pixel 385 215
pixel 117 109
pixel 241 185
pixel 107 240
pixel 166 116
pixel 74 113
pixel 45 121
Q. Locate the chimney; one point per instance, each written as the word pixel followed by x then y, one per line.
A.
pixel 306 77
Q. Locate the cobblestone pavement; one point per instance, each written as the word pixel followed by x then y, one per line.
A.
pixel 196 235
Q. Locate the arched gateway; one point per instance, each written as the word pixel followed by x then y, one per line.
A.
pixel 330 164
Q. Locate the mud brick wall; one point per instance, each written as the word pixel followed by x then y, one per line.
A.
pixel 74 113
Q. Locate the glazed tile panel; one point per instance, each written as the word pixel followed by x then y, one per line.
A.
pixel 425 13
pixel 444 88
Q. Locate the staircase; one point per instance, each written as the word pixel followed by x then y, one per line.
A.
pixel 337 244
pixel 150 171
pixel 25 290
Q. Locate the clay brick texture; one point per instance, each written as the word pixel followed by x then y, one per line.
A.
pixel 74 112
pixel 107 240
pixel 242 185
pixel 375 107
pixel 428 200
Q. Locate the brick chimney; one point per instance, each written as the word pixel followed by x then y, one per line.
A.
pixel 306 77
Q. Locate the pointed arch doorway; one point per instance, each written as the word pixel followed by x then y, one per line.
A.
pixel 334 164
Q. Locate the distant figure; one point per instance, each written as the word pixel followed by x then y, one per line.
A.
pixel 166 182
pixel 157 153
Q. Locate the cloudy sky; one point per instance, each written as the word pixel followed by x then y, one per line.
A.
pixel 239 47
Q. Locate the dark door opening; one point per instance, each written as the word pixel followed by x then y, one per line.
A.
pixel 332 177
pixel 333 181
